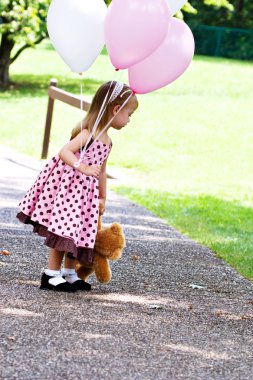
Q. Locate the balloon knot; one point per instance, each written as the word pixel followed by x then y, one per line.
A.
pixel 116 69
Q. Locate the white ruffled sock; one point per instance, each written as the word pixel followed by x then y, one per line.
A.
pixel 56 277
pixel 70 275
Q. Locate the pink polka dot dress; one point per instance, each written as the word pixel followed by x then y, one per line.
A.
pixel 63 204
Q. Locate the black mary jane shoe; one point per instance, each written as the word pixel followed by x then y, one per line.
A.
pixel 82 285
pixel 63 287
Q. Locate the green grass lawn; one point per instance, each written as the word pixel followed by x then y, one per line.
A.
pixel 187 152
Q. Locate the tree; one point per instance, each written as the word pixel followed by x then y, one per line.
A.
pixel 22 25
pixel 242 17
pixel 236 15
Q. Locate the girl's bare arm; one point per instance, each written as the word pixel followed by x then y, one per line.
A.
pixel 102 188
pixel 67 154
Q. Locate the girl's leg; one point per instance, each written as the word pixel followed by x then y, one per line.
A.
pixel 55 259
pixel 69 262
pixel 69 273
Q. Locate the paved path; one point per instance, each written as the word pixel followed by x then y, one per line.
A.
pixel 147 324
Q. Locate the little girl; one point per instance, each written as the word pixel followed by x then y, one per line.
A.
pixel 64 202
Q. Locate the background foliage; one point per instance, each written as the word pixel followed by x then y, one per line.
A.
pixel 237 15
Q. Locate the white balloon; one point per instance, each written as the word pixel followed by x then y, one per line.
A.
pixel 76 29
pixel 175 5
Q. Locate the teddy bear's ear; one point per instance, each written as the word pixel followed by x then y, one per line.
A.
pixel 116 228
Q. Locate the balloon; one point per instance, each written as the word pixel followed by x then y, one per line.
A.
pixel 134 29
pixel 76 29
pixel 167 63
pixel 176 5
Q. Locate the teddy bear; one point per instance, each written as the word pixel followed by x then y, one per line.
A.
pixel 109 245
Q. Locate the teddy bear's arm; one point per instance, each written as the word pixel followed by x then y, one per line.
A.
pixel 102 269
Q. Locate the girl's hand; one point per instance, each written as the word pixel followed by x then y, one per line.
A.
pixel 93 170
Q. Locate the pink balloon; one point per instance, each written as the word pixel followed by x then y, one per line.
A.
pixel 166 63
pixel 134 29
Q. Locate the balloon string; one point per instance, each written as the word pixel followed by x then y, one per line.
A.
pixel 97 121
pixel 81 108
pixel 105 103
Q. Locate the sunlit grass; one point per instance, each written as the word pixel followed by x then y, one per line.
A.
pixel 223 226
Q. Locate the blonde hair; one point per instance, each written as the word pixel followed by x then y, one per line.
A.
pixel 96 105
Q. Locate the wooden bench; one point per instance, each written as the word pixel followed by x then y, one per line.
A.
pixel 55 93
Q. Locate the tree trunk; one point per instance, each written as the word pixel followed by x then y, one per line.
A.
pixel 5 60
pixel 239 6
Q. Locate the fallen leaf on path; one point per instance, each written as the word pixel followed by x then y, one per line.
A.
pixel 5 252
pixel 135 258
pixel 12 338
pixel 246 317
pixel 228 315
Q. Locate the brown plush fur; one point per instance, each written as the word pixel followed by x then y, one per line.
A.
pixel 109 245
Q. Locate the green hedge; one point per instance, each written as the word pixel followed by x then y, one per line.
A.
pixel 223 42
